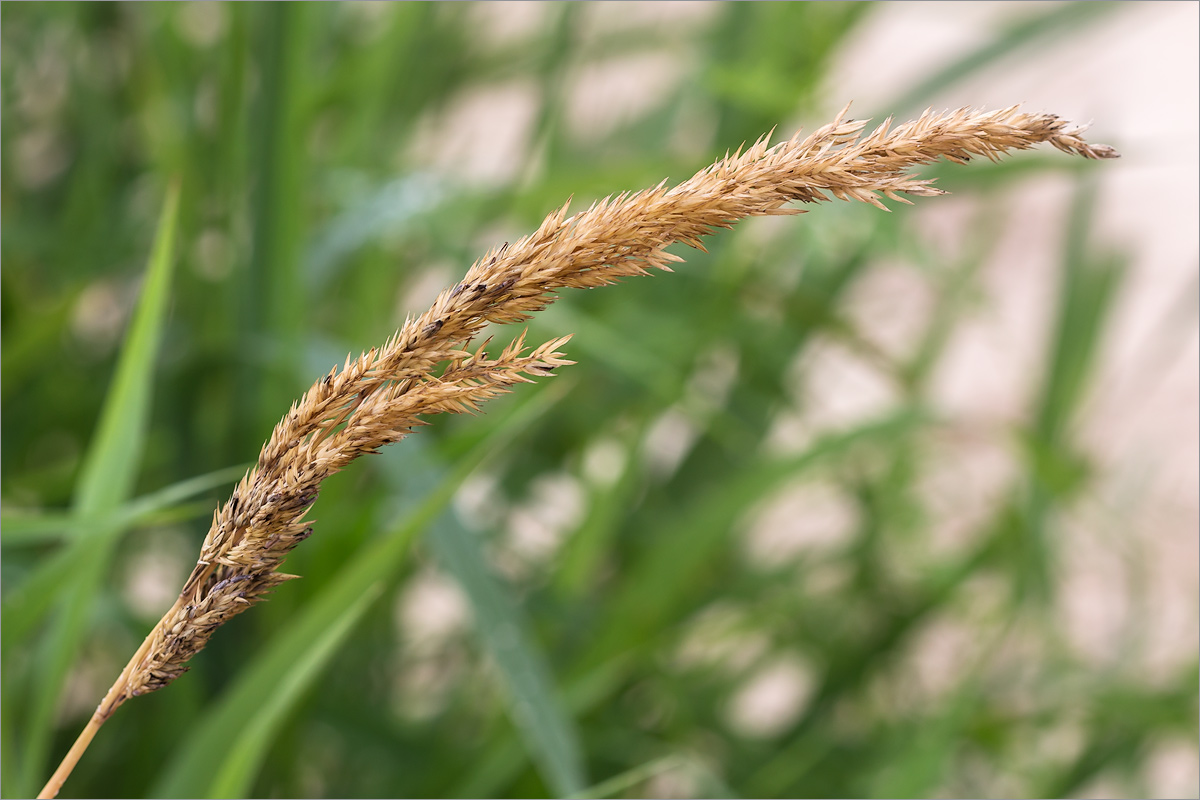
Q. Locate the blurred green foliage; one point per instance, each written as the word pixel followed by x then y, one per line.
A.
pixel 598 538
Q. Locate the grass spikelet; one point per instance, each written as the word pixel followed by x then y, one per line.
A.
pixel 384 394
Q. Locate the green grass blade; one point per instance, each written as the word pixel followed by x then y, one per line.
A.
pixel 26 528
pixel 667 572
pixel 1058 469
pixel 630 778
pixel 275 679
pixel 23 528
pixel 1021 34
pixel 112 461
pixel 236 775
pixel 29 602
pixel 273 305
pixel 584 551
pixel 1088 287
pixel 620 785
pixel 506 758
pixel 111 464
pixel 504 631
pixel 207 760
pixel 110 468
pixel 918 762
pixel 25 609
pixel 184 490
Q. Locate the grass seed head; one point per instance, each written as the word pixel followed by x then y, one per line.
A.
pixel 385 393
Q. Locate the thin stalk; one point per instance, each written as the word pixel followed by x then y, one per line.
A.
pixel 115 696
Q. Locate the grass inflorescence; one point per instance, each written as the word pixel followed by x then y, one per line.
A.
pixel 429 367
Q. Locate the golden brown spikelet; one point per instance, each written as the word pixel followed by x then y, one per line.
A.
pixel 381 396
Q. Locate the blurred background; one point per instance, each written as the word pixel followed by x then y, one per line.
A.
pixel 853 504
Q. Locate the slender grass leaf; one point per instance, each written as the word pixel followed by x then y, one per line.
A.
pixel 112 461
pixel 625 781
pixel 1017 36
pixel 273 306
pixel 237 772
pixel 583 553
pixel 504 631
pixel 925 750
pixel 26 528
pixel 505 758
pixel 1087 289
pixel 109 470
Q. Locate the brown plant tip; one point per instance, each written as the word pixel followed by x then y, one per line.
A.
pixel 385 393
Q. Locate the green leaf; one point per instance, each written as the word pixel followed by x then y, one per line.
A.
pixel 41 527
pixel 110 468
pixel 504 631
pixel 112 462
pixel 1087 290
pixel 632 777
pixel 238 770
pixel 274 299
pixel 1017 36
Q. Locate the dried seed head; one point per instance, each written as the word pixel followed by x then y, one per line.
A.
pixel 382 395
